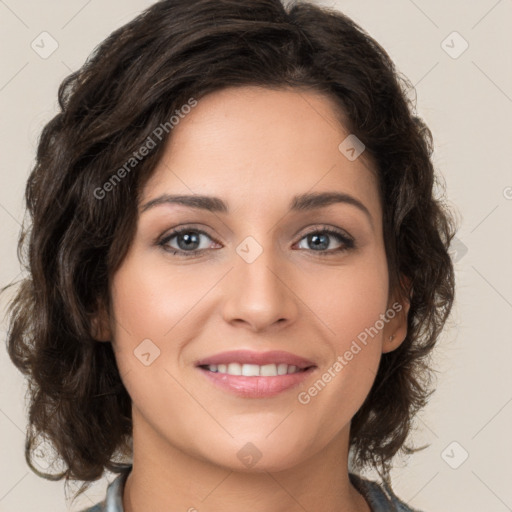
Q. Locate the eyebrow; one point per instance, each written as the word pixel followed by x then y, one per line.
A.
pixel 299 203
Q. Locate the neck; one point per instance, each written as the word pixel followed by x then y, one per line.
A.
pixel 164 477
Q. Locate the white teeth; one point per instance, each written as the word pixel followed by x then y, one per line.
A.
pixel 250 370
pixel 254 370
pixel 268 370
pixel 282 369
pixel 234 369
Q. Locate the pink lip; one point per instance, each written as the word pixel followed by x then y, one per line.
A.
pixel 256 387
pixel 259 358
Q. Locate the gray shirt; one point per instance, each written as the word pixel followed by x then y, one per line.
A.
pixel 380 497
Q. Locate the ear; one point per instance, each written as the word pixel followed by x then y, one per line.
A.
pixel 395 330
pixel 100 328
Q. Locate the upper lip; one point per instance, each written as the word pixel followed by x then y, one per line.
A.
pixel 259 358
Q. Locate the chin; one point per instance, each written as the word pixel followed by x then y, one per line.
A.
pixel 257 456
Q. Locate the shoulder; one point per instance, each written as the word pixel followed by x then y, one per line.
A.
pixel 380 497
pixel 113 501
pixel 97 508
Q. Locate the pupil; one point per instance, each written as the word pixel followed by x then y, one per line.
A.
pixel 190 238
pixel 323 244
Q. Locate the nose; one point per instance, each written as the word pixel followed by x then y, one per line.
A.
pixel 259 294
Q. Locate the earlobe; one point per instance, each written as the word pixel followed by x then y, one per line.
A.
pixel 392 343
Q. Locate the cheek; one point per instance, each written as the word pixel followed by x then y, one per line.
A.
pixel 350 303
pixel 349 299
pixel 157 310
pixel 150 300
pixel 152 308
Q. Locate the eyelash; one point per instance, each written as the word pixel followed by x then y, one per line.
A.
pixel 348 242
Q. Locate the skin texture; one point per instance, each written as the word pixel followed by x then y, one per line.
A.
pixel 254 148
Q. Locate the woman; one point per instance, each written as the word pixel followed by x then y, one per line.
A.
pixel 238 267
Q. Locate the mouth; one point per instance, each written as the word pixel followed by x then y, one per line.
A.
pixel 252 374
pixel 254 370
pixel 233 359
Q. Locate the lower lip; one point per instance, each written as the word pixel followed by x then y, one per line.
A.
pixel 256 387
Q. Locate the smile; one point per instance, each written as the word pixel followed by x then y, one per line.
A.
pixel 254 370
pixel 256 386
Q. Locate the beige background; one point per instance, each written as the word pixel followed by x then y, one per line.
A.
pixel 467 102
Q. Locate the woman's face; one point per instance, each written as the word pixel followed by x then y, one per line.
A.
pixel 259 275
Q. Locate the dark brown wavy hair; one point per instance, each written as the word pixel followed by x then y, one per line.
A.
pixel 132 83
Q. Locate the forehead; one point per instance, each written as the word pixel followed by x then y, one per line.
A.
pixel 251 144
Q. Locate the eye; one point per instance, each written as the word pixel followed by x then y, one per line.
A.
pixel 320 240
pixel 188 241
